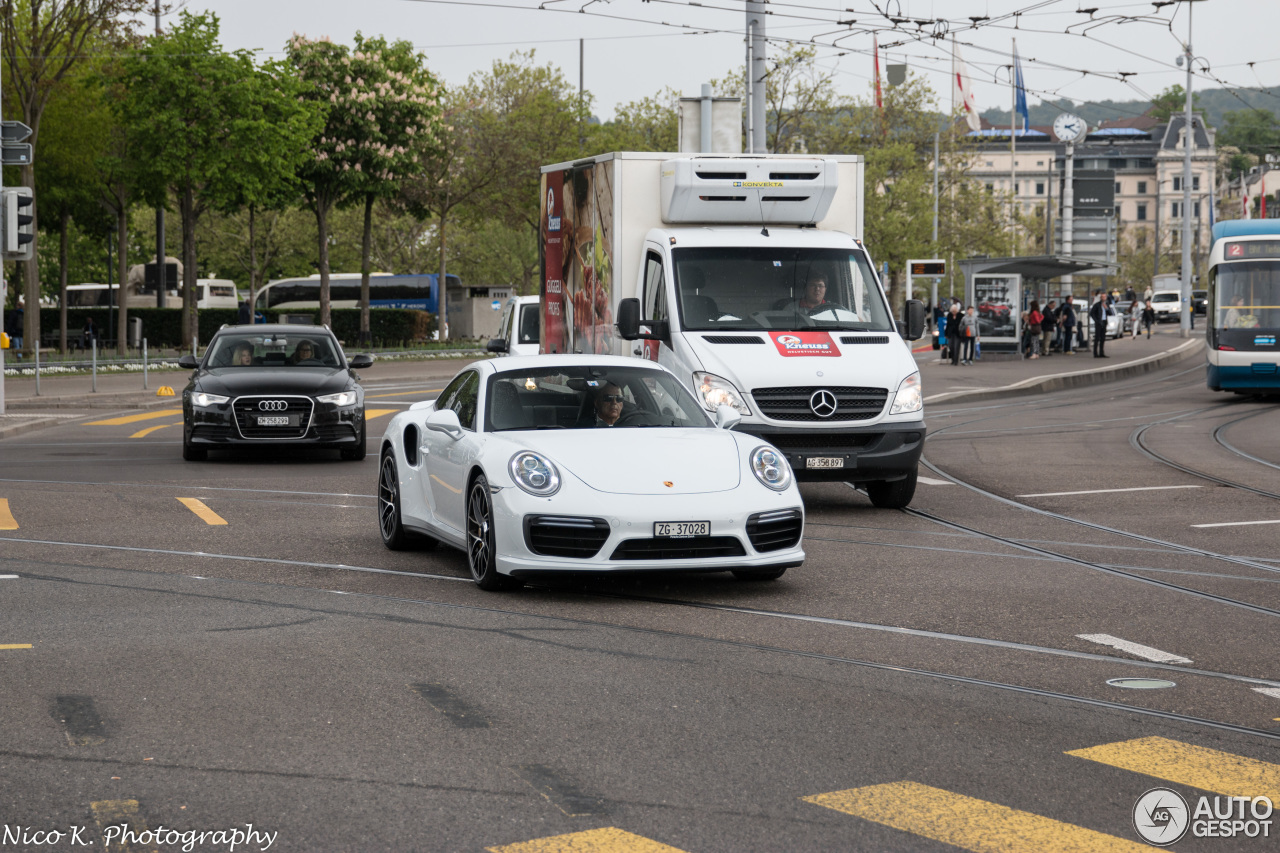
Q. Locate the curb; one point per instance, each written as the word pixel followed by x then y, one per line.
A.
pixel 1075 379
pixel 105 400
pixel 9 430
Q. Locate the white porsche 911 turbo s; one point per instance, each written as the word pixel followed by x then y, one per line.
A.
pixel 583 463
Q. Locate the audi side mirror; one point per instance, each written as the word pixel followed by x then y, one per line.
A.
pixel 188 362
pixel 361 361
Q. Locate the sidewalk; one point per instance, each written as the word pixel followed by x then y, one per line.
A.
pixel 1008 374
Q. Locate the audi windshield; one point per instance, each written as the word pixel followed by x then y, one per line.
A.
pixel 783 289
pixel 249 351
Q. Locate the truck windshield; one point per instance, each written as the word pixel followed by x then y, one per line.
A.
pixel 777 289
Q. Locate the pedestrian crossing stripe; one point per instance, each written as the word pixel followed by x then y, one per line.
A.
pixel 1193 766
pixel 610 839
pixel 968 823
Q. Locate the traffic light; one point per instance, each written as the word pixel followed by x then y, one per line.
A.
pixel 19 223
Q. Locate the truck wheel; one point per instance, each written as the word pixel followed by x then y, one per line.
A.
pixel 892 495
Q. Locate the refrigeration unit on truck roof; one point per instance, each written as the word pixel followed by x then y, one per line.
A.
pixel 747 190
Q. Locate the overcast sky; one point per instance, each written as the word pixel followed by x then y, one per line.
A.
pixel 632 50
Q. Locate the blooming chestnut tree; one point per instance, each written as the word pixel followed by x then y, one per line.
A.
pixel 382 105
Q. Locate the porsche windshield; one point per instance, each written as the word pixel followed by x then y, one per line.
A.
pixel 250 351
pixel 784 289
pixel 589 397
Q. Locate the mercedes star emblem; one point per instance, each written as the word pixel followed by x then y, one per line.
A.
pixel 823 403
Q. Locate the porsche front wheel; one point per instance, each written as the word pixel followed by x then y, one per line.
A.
pixel 394 535
pixel 482 557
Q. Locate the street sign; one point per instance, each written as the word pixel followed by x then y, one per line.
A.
pixel 14 131
pixel 16 154
pixel 932 266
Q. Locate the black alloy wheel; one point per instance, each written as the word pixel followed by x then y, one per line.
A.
pixel 394 536
pixel 482 557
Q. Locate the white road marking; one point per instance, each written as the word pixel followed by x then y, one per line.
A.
pixel 1107 491
pixel 8 577
pixel 1238 523
pixel 1273 692
pixel 929 481
pixel 1135 649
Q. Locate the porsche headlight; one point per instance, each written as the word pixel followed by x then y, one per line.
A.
pixel 770 468
pixel 714 391
pixel 204 400
pixel 910 397
pixel 342 398
pixel 535 474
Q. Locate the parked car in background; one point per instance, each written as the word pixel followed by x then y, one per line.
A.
pixel 1200 302
pixel 1167 304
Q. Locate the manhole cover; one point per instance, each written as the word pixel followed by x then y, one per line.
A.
pixel 1141 683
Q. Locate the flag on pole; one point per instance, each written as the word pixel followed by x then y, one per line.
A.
pixel 1244 196
pixel 879 99
pixel 1020 98
pixel 962 89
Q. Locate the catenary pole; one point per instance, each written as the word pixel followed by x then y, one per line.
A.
pixel 756 72
pixel 1188 142
pixel 162 268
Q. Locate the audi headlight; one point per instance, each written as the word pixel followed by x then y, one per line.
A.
pixel 910 397
pixel 204 400
pixel 771 469
pixel 535 474
pixel 714 391
pixel 342 398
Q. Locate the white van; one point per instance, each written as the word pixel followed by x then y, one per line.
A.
pixel 216 293
pixel 519 328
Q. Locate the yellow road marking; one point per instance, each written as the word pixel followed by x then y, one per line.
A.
pixel 16 646
pixel 370 414
pixel 110 815
pixel 403 393
pixel 966 822
pixel 607 840
pixel 133 419
pixel 7 521
pixel 197 506
pixel 446 485
pixel 1194 766
pixel 145 432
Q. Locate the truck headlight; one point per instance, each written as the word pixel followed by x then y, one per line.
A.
pixel 342 398
pixel 714 391
pixel 204 401
pixel 910 397
pixel 770 468
pixel 535 474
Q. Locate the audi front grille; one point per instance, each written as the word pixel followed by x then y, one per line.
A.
pixel 249 410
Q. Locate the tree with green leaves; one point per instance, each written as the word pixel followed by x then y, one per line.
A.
pixel 649 124
pixel 1252 134
pixel 1173 101
pixel 42 42
pixel 195 116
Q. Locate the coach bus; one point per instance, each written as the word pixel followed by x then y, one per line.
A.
pixel 1244 307
pixel 385 291
pixel 210 293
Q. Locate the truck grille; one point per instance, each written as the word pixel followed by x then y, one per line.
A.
pixel 679 549
pixel 793 404
pixel 565 535
pixel 247 411
pixel 773 531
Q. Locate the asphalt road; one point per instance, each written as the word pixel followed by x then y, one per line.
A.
pixel 200 647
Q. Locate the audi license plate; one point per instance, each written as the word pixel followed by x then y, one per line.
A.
pixel 278 420
pixel 681 529
pixel 824 462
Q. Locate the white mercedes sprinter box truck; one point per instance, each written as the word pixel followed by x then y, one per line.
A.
pixel 745 275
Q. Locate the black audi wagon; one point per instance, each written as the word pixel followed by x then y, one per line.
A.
pixel 273 385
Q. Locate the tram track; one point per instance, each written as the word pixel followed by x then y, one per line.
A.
pixel 1231 448
pixel 1138 439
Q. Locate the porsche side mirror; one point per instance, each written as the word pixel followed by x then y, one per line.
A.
pixel 498 345
pixel 361 361
pixel 188 362
pixel 727 417
pixel 445 421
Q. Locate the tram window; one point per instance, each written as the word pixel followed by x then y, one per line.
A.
pixel 1248 295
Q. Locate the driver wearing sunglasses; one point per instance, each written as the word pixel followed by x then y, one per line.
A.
pixel 608 405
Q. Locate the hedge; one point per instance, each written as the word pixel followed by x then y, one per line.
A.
pixel 162 326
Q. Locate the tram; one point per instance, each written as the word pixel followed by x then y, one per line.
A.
pixel 1244 307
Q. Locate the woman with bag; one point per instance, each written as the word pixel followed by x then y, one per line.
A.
pixel 1034 319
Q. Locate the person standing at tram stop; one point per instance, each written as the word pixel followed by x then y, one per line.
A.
pixel 1099 313
pixel 968 335
pixel 954 318
pixel 1148 317
pixel 1048 328
pixel 1067 318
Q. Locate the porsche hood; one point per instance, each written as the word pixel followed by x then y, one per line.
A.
pixel 644 461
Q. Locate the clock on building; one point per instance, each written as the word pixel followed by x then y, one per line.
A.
pixel 1069 128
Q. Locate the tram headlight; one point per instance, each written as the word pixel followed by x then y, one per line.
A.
pixel 910 396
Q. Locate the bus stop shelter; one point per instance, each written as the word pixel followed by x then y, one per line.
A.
pixel 1000 288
